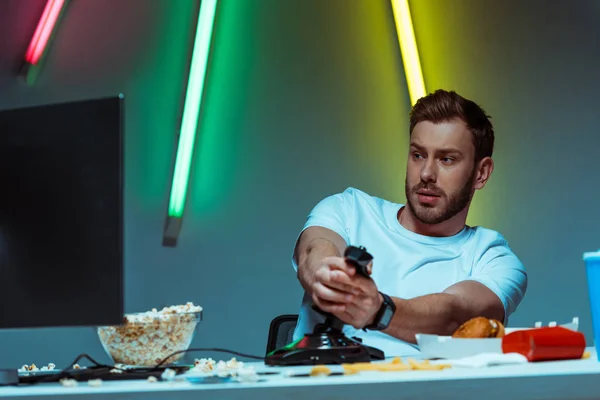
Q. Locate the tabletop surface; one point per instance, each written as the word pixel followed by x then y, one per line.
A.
pixel 545 380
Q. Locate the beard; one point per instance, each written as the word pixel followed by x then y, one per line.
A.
pixel 447 208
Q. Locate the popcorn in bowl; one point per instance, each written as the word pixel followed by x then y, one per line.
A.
pixel 145 339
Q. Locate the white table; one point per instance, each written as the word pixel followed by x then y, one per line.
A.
pixel 576 379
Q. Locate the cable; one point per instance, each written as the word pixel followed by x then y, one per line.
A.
pixel 209 349
pixel 70 372
pixel 97 364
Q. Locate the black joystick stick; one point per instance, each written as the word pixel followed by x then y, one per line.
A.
pixel 327 344
pixel 360 259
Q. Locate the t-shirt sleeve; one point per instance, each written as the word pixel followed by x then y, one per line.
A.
pixel 503 273
pixel 332 213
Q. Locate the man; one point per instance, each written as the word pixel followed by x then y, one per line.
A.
pixel 430 272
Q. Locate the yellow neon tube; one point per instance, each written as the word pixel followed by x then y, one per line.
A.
pixel 408 48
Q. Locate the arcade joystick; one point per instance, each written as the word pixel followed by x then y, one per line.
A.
pixel 327 344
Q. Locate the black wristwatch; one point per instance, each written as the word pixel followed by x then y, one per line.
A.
pixel 384 315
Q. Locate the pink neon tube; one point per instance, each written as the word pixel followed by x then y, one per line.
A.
pixel 43 31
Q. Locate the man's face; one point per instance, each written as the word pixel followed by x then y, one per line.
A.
pixel 440 171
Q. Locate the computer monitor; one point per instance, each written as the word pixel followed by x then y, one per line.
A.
pixel 61 214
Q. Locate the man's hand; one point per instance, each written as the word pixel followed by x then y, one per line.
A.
pixel 338 289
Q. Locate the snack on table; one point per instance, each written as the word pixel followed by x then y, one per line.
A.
pixel 247 375
pixel 320 370
pixel 480 328
pixel 95 382
pixel 68 382
pixel 221 369
pixel 205 365
pixel 33 368
pixel 145 339
pixel 224 369
pixel 395 365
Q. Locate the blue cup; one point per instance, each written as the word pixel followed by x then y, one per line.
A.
pixel 592 266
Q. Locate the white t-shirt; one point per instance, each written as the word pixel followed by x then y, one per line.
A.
pixel 407 265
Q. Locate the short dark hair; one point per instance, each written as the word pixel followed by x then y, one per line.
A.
pixel 443 106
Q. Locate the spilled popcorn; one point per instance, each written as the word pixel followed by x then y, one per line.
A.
pixel 68 382
pixel 34 368
pixel 168 374
pixel 204 365
pixel 224 369
pixel 247 375
pixel 95 382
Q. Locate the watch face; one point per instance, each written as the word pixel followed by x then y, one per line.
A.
pixel 387 315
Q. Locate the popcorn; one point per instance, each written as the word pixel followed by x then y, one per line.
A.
pixel 222 370
pixel 225 369
pixel 204 365
pixel 67 382
pixel 152 379
pixel 95 382
pixel 247 375
pixel 168 374
pixel 147 338
pixel 234 364
pixel 34 368
pixel 164 314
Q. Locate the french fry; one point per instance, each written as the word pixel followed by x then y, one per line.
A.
pixel 320 370
pixel 349 370
pixel 430 367
pixel 395 365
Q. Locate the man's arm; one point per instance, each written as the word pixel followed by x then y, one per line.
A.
pixel 442 313
pixel 495 288
pixel 314 245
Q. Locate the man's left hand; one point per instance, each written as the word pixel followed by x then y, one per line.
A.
pixel 361 311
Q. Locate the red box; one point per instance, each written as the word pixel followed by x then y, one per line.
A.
pixel 545 344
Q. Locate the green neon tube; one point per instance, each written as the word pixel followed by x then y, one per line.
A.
pixel 191 108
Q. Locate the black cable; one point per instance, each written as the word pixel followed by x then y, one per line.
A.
pixel 70 372
pixel 97 364
pixel 209 349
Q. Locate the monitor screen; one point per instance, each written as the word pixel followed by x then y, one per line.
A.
pixel 61 214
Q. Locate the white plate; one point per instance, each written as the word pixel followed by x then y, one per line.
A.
pixel 435 346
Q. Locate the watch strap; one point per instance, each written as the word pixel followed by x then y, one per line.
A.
pixel 377 324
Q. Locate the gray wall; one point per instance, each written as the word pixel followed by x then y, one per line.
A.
pixel 303 99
